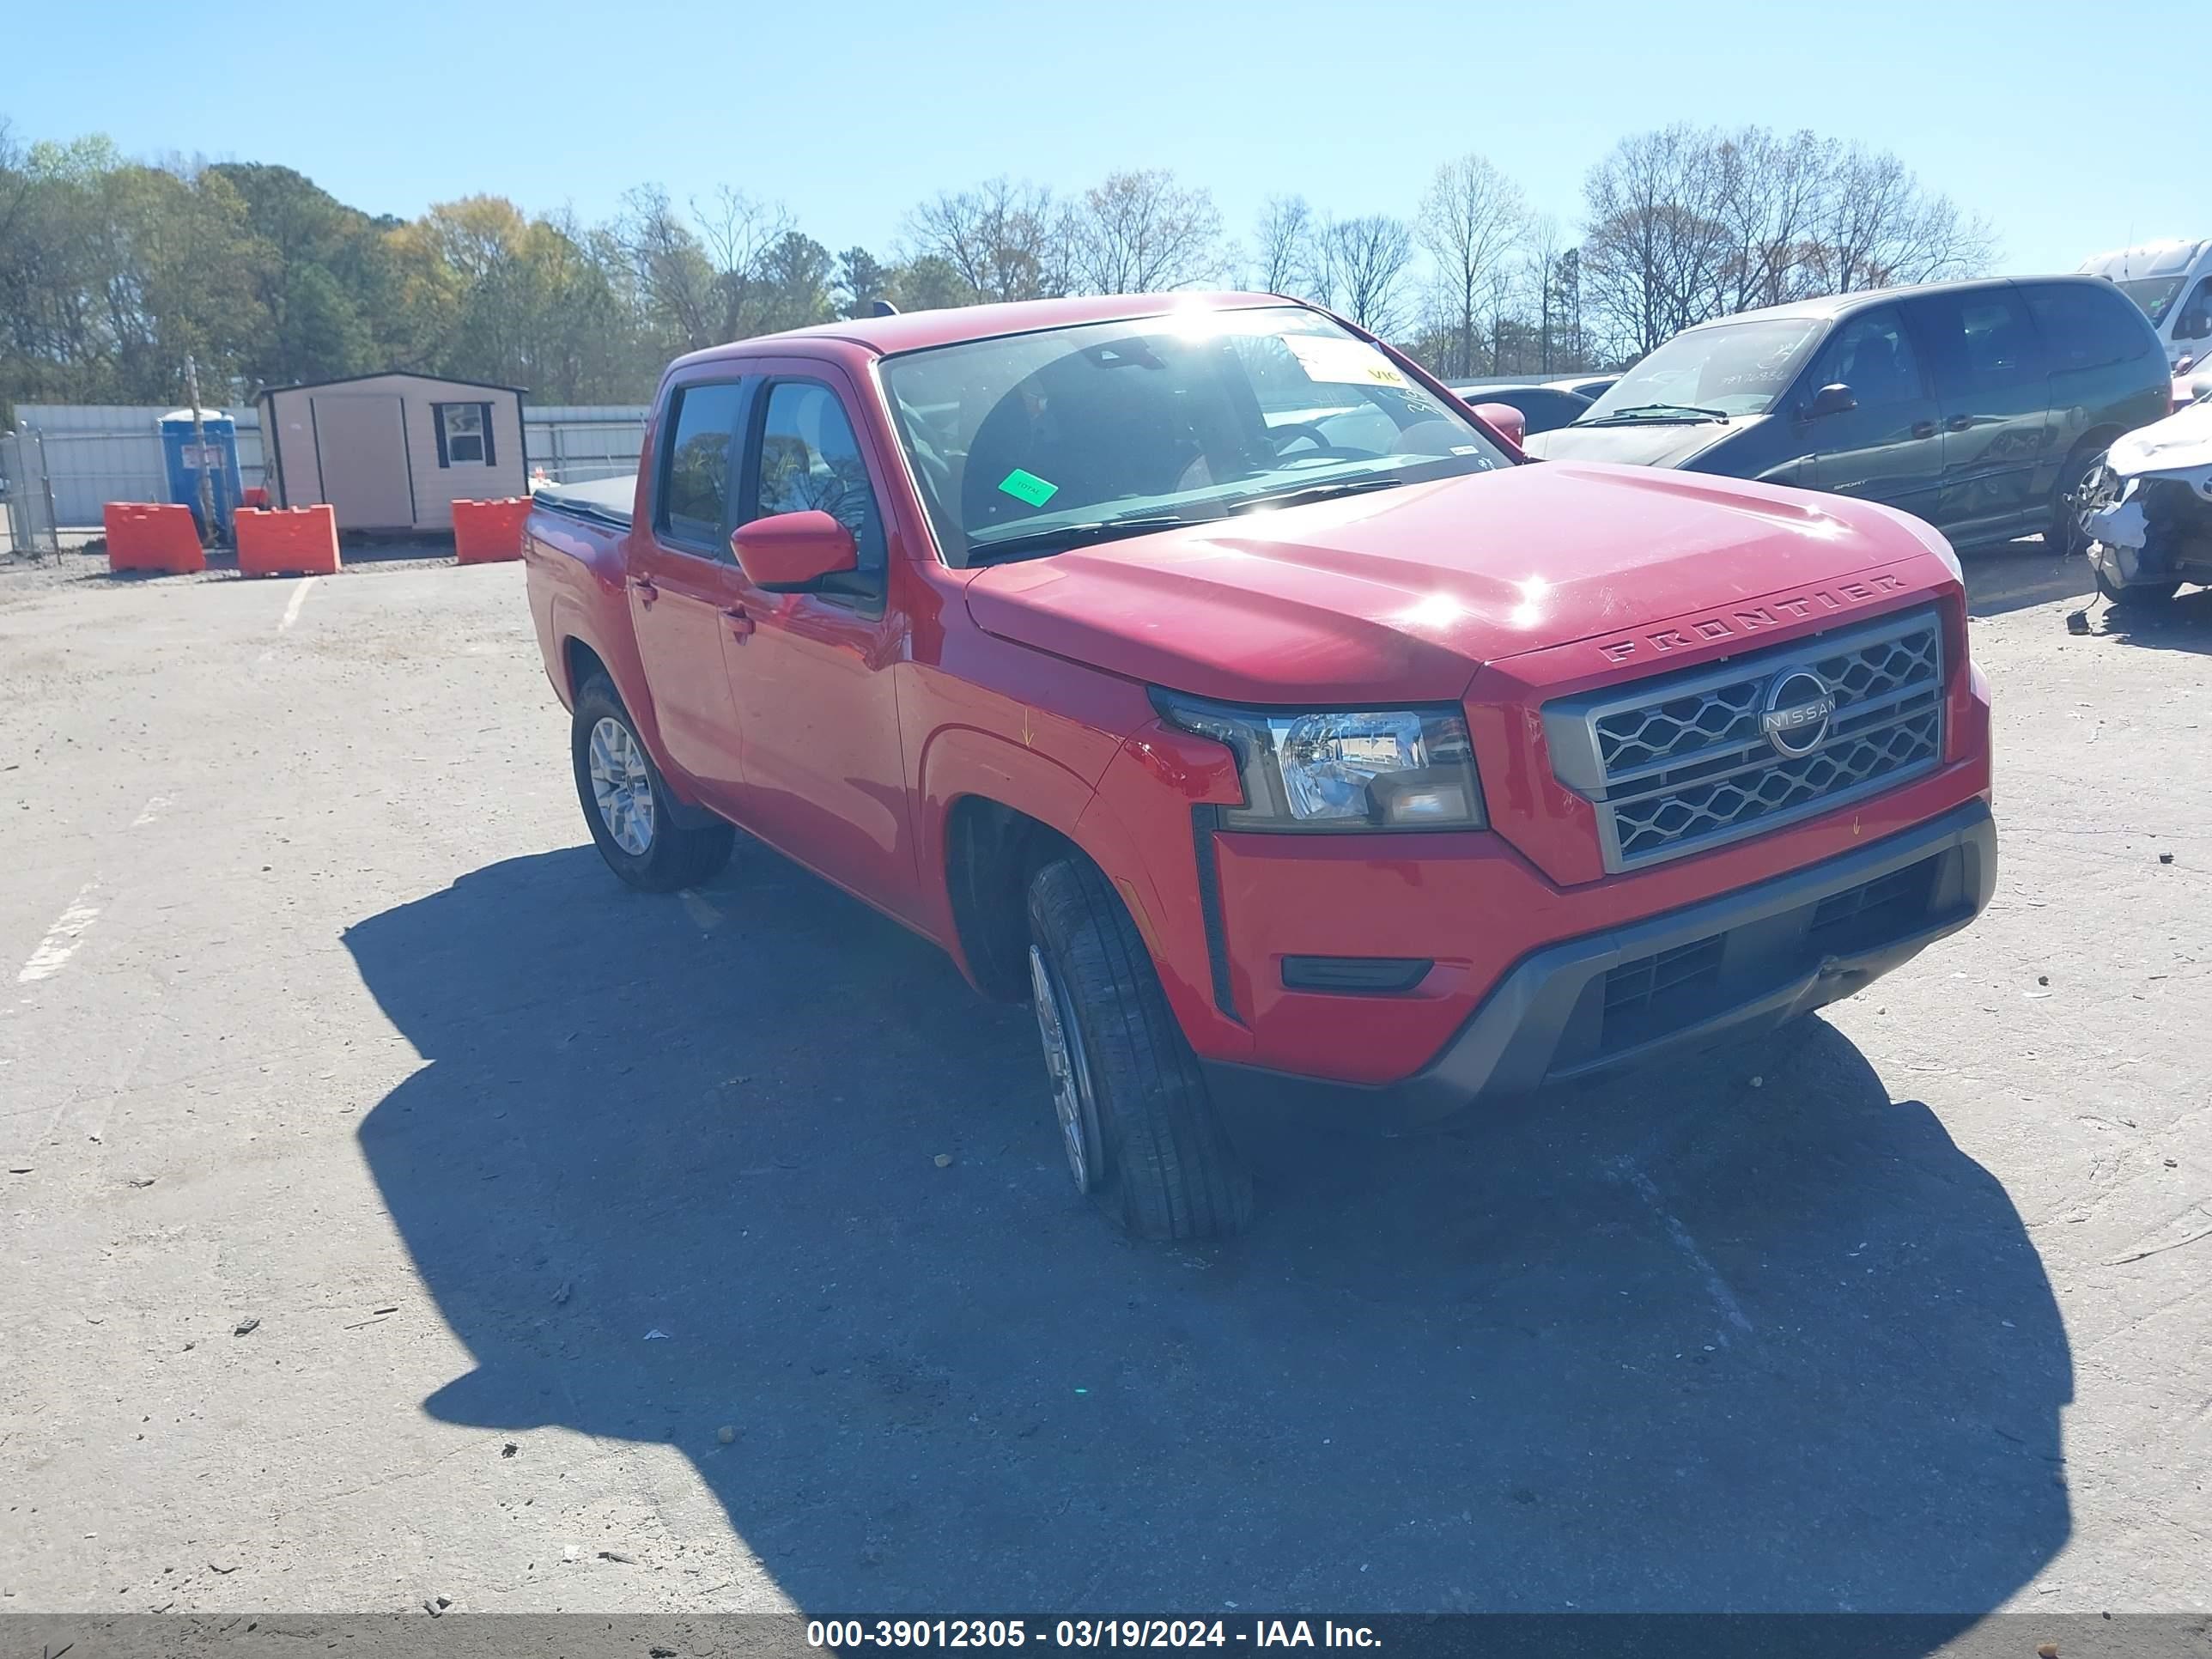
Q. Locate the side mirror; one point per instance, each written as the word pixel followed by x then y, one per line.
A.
pixel 1833 400
pixel 1509 423
pixel 787 551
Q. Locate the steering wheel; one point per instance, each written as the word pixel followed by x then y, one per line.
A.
pixel 1322 449
pixel 1295 429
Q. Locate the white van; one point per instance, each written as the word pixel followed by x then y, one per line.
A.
pixel 2173 283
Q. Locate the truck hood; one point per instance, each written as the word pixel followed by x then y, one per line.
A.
pixel 1653 443
pixel 1401 595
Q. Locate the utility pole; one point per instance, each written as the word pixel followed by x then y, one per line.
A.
pixel 199 447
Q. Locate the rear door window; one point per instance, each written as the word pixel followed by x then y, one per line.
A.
pixel 1981 340
pixel 696 469
pixel 2088 327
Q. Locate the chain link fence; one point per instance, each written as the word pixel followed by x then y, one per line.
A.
pixel 28 520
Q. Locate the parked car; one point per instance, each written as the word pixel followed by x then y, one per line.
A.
pixel 1977 406
pixel 2172 281
pixel 1592 387
pixel 2147 510
pixel 1197 670
pixel 1541 407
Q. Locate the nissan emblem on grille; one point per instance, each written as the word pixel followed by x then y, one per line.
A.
pixel 1798 707
pixel 1679 762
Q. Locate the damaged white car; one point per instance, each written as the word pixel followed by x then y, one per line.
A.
pixel 2146 510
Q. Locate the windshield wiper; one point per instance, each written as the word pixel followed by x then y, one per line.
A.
pixel 1634 410
pixel 1056 537
pixel 1320 492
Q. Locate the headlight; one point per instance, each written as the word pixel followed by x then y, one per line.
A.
pixel 1387 769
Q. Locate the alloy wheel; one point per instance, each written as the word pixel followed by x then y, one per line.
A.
pixel 621 786
pixel 1070 1071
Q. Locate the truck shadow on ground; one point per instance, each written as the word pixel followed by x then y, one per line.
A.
pixel 1689 1342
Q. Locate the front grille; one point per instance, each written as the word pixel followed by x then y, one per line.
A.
pixel 1683 763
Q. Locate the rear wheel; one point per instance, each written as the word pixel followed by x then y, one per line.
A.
pixel 632 817
pixel 1137 1128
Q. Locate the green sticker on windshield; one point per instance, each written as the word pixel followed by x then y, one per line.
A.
pixel 1028 487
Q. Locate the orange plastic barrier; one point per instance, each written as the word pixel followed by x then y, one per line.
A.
pixel 299 541
pixel 485 532
pixel 143 536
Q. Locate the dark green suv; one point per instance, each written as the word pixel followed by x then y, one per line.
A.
pixel 1977 406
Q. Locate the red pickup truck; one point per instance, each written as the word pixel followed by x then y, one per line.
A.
pixel 1202 671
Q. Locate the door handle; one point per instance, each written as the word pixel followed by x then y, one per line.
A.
pixel 741 623
pixel 647 593
pixel 1958 423
pixel 1923 429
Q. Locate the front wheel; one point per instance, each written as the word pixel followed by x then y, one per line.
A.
pixel 2083 483
pixel 626 802
pixel 1137 1127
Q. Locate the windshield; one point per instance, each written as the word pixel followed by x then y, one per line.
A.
pixel 1730 368
pixel 1027 442
pixel 2155 294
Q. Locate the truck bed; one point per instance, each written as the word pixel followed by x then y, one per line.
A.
pixel 604 502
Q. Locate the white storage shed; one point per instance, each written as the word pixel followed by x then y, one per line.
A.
pixel 392 452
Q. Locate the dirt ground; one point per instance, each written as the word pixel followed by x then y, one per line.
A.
pixel 395 1207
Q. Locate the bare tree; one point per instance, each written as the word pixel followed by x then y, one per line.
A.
pixel 1768 192
pixel 1363 263
pixel 1007 241
pixel 1656 246
pixel 1141 232
pixel 1470 220
pixel 1287 252
pixel 1685 224
pixel 1563 306
pixel 1875 226
pixel 674 277
pixel 1542 244
pixel 738 233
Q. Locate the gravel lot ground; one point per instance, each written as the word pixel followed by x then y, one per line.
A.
pixel 395 1207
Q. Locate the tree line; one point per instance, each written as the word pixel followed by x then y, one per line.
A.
pixel 113 270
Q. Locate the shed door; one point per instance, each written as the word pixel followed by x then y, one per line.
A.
pixel 362 443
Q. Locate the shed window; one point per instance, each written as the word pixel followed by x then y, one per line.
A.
pixel 464 434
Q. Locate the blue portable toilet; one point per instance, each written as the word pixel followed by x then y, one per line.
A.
pixel 181 454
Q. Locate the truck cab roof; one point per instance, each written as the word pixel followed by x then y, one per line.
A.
pixel 917 331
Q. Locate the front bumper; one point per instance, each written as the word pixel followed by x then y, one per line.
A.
pixel 1729 966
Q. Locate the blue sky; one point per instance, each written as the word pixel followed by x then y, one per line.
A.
pixel 2057 122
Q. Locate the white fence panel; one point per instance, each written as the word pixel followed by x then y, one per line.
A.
pixel 96 453
pixel 578 443
pixel 101 453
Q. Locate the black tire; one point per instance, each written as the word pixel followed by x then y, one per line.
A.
pixel 2142 596
pixel 2065 537
pixel 1160 1160
pixel 674 854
